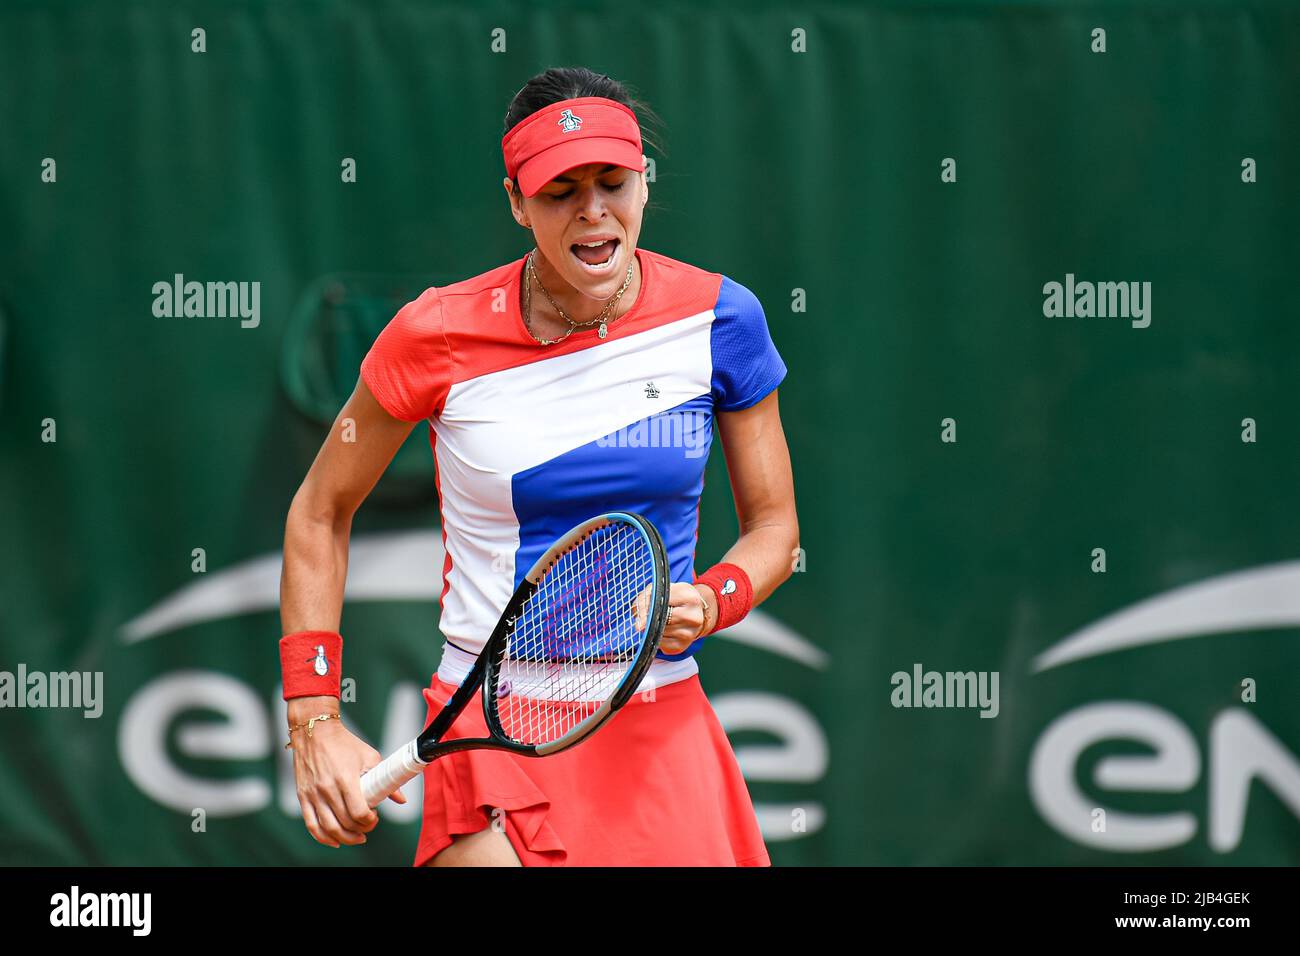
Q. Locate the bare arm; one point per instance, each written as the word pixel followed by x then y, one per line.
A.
pixel 320 519
pixel 758 462
pixel 328 765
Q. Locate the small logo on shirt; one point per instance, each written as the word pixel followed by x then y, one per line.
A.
pixel 322 665
pixel 650 390
pixel 568 122
pixel 729 587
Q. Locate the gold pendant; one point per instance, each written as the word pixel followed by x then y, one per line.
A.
pixel 601 331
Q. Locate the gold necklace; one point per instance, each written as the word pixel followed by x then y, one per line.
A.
pixel 530 273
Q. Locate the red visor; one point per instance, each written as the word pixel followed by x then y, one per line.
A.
pixel 574 132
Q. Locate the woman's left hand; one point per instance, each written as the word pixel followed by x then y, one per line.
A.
pixel 688 613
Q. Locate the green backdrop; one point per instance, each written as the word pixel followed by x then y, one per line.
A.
pixel 808 161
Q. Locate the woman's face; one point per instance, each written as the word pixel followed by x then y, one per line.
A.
pixel 598 201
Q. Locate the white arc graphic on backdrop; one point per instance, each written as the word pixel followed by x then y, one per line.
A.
pixel 1253 599
pixel 394 566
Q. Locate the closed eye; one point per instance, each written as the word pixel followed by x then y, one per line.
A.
pixel 565 195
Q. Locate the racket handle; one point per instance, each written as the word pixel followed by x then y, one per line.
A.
pixel 393 774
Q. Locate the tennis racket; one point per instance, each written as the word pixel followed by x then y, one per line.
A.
pixel 566 654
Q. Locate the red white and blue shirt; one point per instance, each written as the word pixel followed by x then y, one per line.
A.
pixel 530 439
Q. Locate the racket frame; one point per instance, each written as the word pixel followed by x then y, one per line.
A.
pixel 656 617
pixel 430 746
pixel 404 765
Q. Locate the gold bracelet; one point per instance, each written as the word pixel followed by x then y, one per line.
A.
pixel 309 725
pixel 705 629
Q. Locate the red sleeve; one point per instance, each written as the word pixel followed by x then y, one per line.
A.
pixel 409 366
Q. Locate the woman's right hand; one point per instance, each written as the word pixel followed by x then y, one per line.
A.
pixel 327 769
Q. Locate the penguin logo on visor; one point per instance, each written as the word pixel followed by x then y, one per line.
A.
pixel 568 122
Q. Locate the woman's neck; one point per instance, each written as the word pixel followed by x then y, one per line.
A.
pixel 547 322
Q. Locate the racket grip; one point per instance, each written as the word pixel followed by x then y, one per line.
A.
pixel 394 773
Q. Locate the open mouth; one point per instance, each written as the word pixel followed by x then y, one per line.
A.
pixel 595 257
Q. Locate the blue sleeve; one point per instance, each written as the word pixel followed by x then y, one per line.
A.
pixel 746 364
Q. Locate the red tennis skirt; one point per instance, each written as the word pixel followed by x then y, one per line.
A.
pixel 658 785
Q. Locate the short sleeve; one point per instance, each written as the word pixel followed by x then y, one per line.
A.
pixel 746 364
pixel 408 368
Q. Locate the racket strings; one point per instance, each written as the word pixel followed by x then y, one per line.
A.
pixel 576 638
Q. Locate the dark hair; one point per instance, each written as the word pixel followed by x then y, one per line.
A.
pixel 569 82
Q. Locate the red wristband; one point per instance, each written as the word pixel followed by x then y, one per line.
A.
pixel 735 594
pixel 310 664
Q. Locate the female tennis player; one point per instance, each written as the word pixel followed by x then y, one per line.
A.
pixel 585 377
